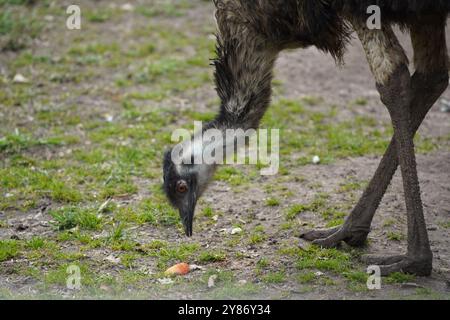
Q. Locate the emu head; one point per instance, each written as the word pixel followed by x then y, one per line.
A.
pixel 183 185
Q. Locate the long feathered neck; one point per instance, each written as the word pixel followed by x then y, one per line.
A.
pixel 243 75
pixel 251 34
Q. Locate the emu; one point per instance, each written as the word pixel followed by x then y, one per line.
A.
pixel 250 36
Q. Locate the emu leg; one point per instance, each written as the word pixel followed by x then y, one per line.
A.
pixel 428 83
pixel 430 55
pixel 396 95
pixel 426 90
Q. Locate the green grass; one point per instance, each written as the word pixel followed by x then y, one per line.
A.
pixel 129 259
pixel 352 186
pixel 274 277
pixel 333 214
pixel 117 232
pixel 8 249
pixel 17 143
pixel 312 101
pixel 399 277
pixel 231 175
pixel 445 225
pixel 36 243
pixel 159 213
pixel 395 236
pixel 316 205
pixel 257 236
pixel 168 255
pixel 211 256
pixel 306 277
pixel 99 15
pixel 315 258
pixel 27 184
pixel 168 8
pixel 71 217
pixel 389 222
pixel 262 263
pixel 356 276
pixel 18 27
pixel 60 275
pixel 361 102
pixel 295 210
pixel 272 202
pixel 208 212
pixel 316 134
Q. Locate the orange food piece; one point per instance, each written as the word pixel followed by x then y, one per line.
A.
pixel 178 269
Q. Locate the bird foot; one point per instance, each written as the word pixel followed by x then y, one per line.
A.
pixel 329 238
pixel 318 234
pixel 400 263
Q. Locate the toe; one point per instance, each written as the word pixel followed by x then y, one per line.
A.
pixel 318 234
pixel 330 242
pixel 394 267
pixel 400 263
pixel 375 259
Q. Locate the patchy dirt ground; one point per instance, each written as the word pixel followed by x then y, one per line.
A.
pixel 81 142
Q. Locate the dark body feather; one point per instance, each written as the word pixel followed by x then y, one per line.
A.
pixel 247 28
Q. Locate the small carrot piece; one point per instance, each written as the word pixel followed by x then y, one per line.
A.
pixel 178 269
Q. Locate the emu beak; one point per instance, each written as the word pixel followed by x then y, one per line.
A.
pixel 188 226
pixel 188 217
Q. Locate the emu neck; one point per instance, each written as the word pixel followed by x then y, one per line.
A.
pixel 243 75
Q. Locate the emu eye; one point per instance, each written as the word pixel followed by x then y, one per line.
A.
pixel 181 186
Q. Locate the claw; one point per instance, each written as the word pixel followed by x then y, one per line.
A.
pixel 318 234
pixel 332 241
pixel 391 268
pixel 332 237
pixel 374 259
pixel 400 263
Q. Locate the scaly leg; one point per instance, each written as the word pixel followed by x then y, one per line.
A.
pixel 396 94
pixel 418 259
pixel 428 83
